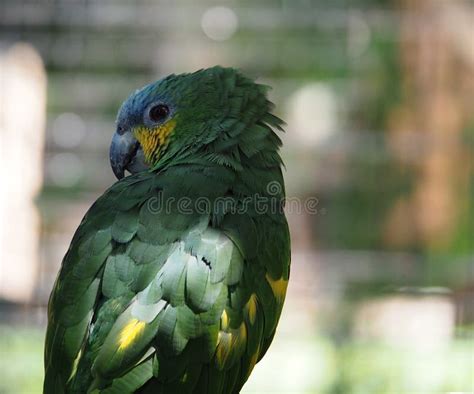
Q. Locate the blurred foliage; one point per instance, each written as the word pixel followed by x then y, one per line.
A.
pixel 21 361
pixel 367 368
pixel 376 180
pixel 289 55
pixel 351 368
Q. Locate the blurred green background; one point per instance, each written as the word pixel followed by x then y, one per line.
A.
pixel 377 95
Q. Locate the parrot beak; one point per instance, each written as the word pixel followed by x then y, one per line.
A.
pixel 126 154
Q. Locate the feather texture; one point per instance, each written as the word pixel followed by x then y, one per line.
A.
pixel 155 295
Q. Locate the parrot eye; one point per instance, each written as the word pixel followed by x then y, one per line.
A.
pixel 158 113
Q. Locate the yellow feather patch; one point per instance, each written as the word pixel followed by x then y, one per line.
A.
pixel 184 378
pixel 224 341
pixel 229 342
pixel 130 332
pixel 74 365
pixel 253 361
pixel 224 320
pixel 278 287
pixel 251 308
pixel 154 140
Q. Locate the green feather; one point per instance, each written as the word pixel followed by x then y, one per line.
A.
pixel 125 226
pixel 155 295
pixel 132 380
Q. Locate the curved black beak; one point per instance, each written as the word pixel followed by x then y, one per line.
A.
pixel 126 154
pixel 123 149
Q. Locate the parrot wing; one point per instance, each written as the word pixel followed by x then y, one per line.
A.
pixel 154 299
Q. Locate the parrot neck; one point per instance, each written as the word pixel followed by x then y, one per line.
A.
pixel 247 179
pixel 249 160
pixel 231 157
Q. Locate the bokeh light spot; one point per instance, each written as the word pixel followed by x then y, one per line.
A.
pixel 219 23
pixel 68 130
pixel 65 169
pixel 313 113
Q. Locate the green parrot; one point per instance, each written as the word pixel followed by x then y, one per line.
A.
pixel 175 279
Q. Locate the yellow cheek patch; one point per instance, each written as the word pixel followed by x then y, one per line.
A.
pixel 278 287
pixel 130 332
pixel 154 140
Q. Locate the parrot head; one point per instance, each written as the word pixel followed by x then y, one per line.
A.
pixel 182 115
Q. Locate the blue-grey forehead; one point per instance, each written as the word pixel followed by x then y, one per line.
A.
pixel 168 90
pixel 133 107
